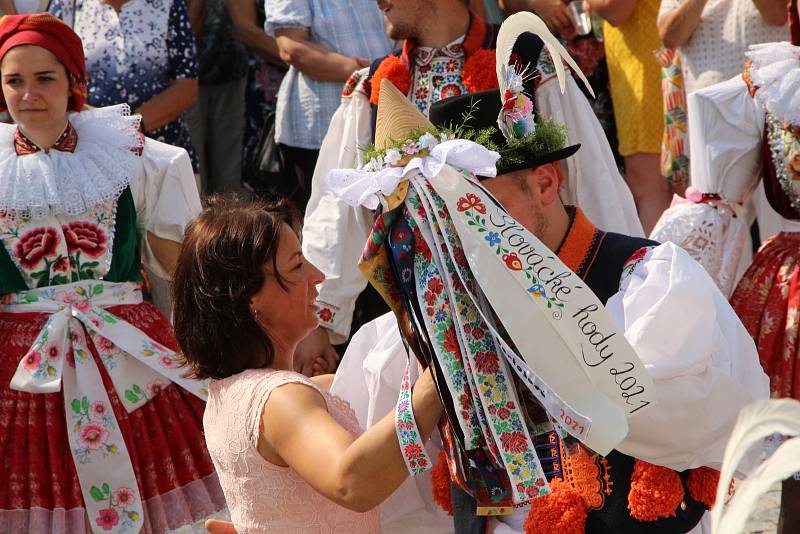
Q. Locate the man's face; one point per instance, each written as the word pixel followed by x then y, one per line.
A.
pixel 403 17
pixel 520 195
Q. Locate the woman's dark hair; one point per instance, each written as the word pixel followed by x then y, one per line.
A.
pixel 220 267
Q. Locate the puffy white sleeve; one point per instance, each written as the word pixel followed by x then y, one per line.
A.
pixel 593 181
pixel 334 234
pixel 704 364
pixel 368 378
pixel 725 134
pixel 166 197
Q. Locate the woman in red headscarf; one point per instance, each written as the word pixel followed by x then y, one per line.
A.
pixel 99 431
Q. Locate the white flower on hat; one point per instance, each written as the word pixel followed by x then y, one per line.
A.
pixel 392 156
pixel 427 141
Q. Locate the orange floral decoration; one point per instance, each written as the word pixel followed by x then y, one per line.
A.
pixel 702 485
pixel 440 483
pixel 396 71
pixel 479 72
pixel 563 511
pixel 656 492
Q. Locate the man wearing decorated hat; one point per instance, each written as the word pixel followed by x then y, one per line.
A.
pixel 590 379
pixel 334 233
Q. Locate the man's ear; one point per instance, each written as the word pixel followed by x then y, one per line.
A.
pixel 547 180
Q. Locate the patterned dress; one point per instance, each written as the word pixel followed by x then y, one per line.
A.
pixel 94 432
pixel 135 54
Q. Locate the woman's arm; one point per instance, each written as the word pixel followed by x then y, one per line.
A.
pixel 616 12
pixel 357 473
pixel 168 105
pixel 244 16
pixel 8 7
pixel 313 60
pixel 166 251
pixel 675 27
pixel 772 11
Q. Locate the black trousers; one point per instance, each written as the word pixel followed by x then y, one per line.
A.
pixel 298 165
pixel 464 519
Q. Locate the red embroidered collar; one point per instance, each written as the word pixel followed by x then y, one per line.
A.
pixel 66 142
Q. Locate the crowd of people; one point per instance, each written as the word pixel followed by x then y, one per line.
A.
pixel 507 266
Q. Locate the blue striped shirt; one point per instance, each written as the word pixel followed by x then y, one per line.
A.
pixel 352 28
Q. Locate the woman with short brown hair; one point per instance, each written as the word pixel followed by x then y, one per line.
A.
pixel 290 456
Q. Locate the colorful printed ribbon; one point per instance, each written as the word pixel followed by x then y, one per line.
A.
pixel 139 369
pixel 413 449
pixel 491 386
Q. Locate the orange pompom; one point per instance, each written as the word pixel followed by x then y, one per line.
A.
pixel 702 484
pixel 563 512
pixel 479 73
pixel 655 492
pixel 440 483
pixel 395 71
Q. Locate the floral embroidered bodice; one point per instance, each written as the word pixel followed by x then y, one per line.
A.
pixel 263 497
pixel 61 249
pixel 61 209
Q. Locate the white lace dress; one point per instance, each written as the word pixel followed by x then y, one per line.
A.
pixel 263 497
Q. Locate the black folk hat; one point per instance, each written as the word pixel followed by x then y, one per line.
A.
pixel 523 137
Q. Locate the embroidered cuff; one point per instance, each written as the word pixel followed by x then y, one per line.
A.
pixel 411 446
pixel 330 318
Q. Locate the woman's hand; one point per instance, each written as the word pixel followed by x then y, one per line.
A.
pixel 216 526
pixel 553 13
pixel 315 355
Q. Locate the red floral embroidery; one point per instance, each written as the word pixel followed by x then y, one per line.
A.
pixel 86 237
pixel 435 285
pixel 35 245
pixel 450 90
pixel 513 442
pixel 637 256
pixel 450 340
pixel 471 201
pixel 413 451
pixel 325 314
pixel 61 264
pixel 109 518
pixel 486 363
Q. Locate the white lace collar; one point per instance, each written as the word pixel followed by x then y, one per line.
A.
pixel 102 166
pixel 775 71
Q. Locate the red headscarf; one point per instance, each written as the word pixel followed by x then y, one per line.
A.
pixel 794 22
pixel 50 33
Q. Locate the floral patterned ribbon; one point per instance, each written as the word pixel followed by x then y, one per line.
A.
pixel 489 383
pixel 411 446
pixel 138 366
